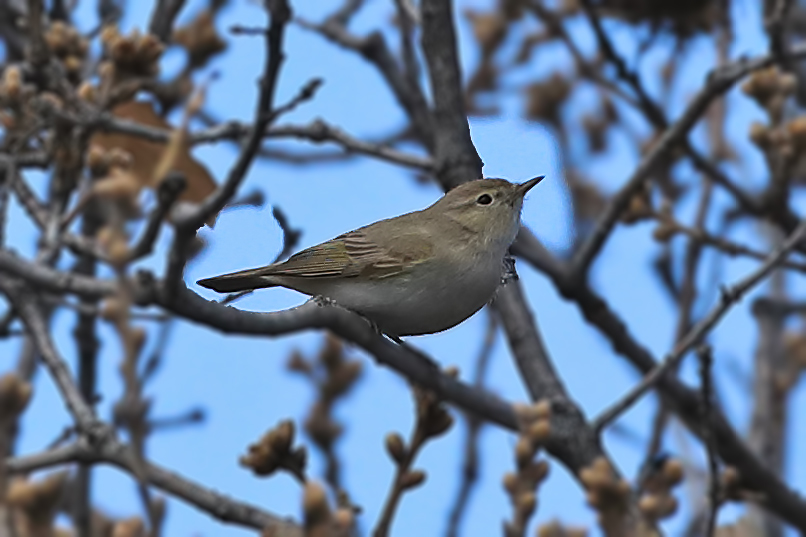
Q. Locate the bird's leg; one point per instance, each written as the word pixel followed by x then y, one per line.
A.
pixel 321 300
pixel 427 360
pixel 509 274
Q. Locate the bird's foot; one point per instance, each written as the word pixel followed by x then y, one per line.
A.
pixel 509 273
pixel 322 301
pixel 427 360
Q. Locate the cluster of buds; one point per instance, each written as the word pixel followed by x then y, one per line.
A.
pixel 401 455
pixel 656 502
pixel 334 376
pixel 118 188
pixel 36 503
pixel 667 226
pixel 640 206
pixel 320 520
pixel 200 39
pixel 787 141
pixel 114 180
pixel 15 394
pixel 597 125
pixel 732 488
pixel 589 201
pixel 544 99
pixel 69 46
pixel 683 18
pixel 521 485
pixel 489 29
pixel 274 452
pixel 13 91
pixel 432 421
pixel 770 88
pixel 556 529
pixel 15 100
pixel 102 162
pixel 129 527
pixel 607 493
pixel 795 352
pixel 132 61
pixel 132 55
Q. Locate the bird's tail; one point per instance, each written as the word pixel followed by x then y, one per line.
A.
pixel 243 280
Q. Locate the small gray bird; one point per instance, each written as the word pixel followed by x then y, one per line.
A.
pixel 419 273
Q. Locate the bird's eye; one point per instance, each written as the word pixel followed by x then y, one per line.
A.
pixel 484 199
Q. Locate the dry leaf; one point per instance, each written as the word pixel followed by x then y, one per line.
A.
pixel 147 155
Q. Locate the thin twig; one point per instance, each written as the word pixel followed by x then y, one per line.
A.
pixel 470 464
pixel 29 311
pixel 734 249
pixel 407 18
pixel 38 49
pixel 207 500
pixel 775 25
pixel 555 24
pixel 729 297
pixel 280 14
pixel 8 174
pixel 291 235
pixel 340 321
pixel 87 344
pixel 319 131
pixel 45 278
pixel 374 49
pixel 168 191
pixel 717 83
pixel 162 18
pixel 706 364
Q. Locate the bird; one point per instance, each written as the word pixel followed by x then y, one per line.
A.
pixel 419 273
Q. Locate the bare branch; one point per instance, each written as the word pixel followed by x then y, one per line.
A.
pixel 373 48
pixel 112 452
pixel 291 235
pixel 456 159
pixel 470 465
pixel 734 249
pixel 318 131
pixel 38 51
pixel 717 83
pixel 163 16
pixel 345 324
pixel 52 280
pixel 167 193
pixel 280 14
pixel 28 309
pixel 707 388
pixel 729 297
pixel 779 498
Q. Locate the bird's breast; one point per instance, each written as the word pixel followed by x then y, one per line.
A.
pixel 430 297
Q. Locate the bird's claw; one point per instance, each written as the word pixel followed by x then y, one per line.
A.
pixel 509 273
pixel 321 301
pixel 427 360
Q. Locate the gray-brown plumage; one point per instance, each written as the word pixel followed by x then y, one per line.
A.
pixel 418 273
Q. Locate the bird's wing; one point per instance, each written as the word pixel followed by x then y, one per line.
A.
pixel 355 254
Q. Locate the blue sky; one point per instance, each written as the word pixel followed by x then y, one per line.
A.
pixel 241 381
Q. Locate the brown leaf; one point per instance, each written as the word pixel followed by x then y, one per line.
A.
pixel 147 155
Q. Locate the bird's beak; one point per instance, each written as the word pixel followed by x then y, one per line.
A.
pixel 523 188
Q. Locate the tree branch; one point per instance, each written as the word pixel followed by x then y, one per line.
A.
pixel 729 297
pixel 112 452
pixel 346 324
pixel 717 83
pixel 280 14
